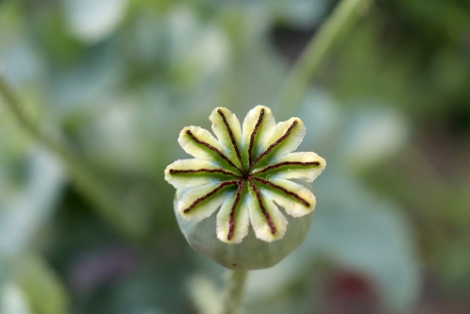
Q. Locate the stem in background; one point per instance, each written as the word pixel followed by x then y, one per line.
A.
pixel 233 290
pixel 306 68
pixel 82 176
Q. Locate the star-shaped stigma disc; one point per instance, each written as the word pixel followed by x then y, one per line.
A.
pixel 244 173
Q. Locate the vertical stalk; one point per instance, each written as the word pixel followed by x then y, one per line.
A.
pixel 234 290
pixel 306 68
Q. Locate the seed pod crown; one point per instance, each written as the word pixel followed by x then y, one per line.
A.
pixel 242 178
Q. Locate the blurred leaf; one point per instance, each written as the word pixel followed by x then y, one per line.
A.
pixel 205 295
pixel 206 58
pixel 324 120
pixel 373 134
pixel 359 231
pixel 78 89
pixel 93 20
pixel 20 62
pixel 13 300
pixel 44 291
pixel 114 134
pixel 359 137
pixel 23 214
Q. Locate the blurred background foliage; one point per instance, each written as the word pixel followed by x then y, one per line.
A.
pixel 118 80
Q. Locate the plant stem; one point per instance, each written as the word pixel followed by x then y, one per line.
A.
pixel 306 68
pixel 233 290
pixel 82 176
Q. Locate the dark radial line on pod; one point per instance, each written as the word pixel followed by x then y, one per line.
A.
pixel 231 221
pixel 288 163
pixel 286 191
pixel 253 134
pixel 202 170
pixel 218 152
pixel 232 137
pixel 276 143
pixel 263 209
pixel 204 197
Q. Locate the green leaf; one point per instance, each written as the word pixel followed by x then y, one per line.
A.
pixel 43 290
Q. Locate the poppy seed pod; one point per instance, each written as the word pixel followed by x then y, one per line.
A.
pixel 236 202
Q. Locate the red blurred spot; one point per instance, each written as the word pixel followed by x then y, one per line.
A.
pixel 350 286
pixel 350 293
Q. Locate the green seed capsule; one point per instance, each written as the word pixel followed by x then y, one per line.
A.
pixel 229 197
pixel 251 253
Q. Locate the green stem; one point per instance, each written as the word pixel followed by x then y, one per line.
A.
pixel 82 176
pixel 233 290
pixel 306 68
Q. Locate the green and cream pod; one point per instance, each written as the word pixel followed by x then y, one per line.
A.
pixel 236 202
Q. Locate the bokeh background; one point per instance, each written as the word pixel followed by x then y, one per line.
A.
pixel 118 80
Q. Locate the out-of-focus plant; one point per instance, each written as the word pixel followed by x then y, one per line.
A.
pixel 114 83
